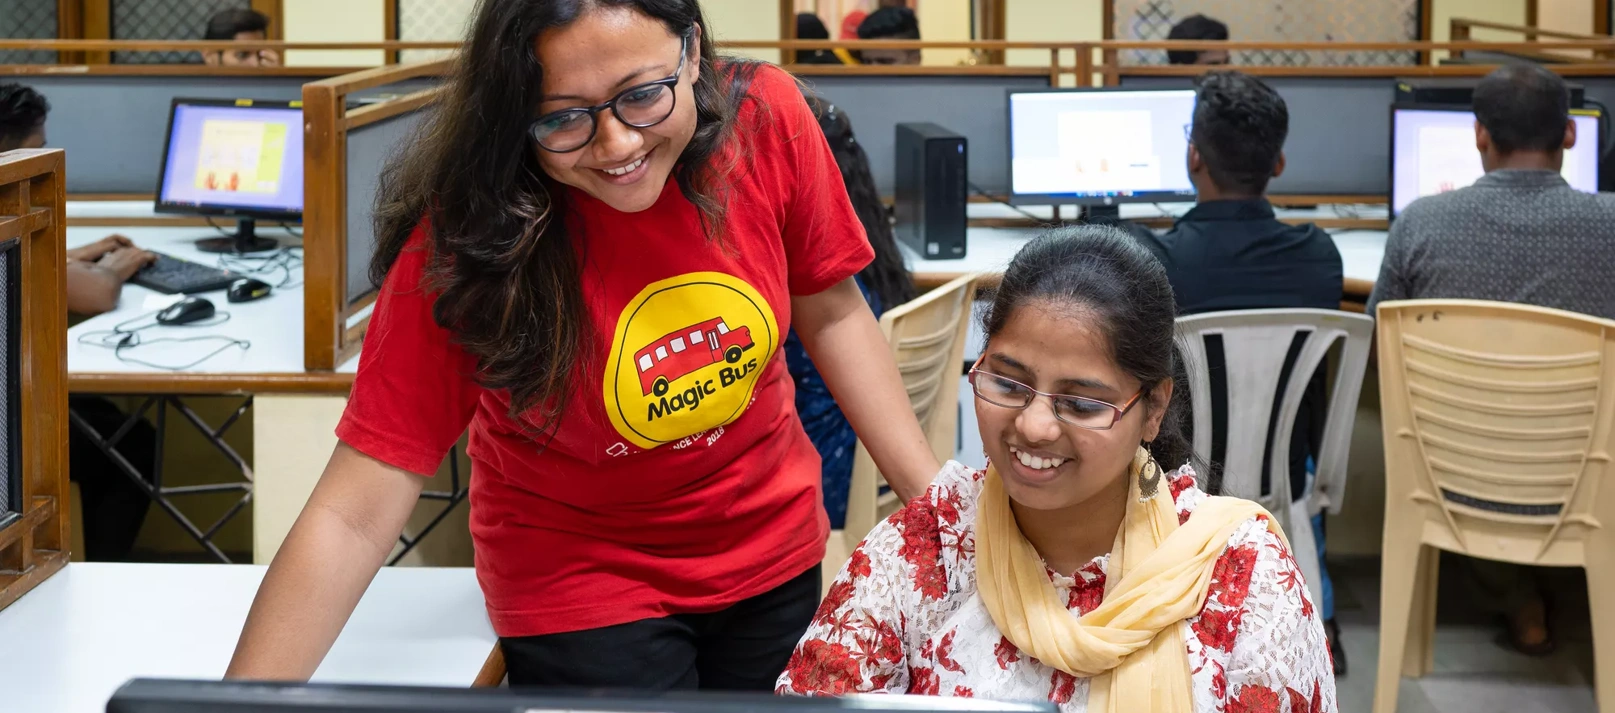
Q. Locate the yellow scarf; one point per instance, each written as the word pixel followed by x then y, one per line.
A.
pixel 1132 644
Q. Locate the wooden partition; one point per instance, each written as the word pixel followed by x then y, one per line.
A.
pixel 344 151
pixel 34 532
pixel 1549 42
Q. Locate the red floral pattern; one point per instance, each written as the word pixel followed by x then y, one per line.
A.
pixel 1300 703
pixel 923 682
pixel 904 615
pixel 1006 653
pixel 1062 686
pixel 1255 699
pixel 1217 628
pixel 1231 577
pixel 858 564
pixel 821 667
pixel 921 545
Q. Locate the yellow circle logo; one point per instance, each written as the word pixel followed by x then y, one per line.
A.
pixel 686 356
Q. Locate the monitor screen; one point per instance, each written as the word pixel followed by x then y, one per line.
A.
pixel 233 157
pixel 1097 147
pixel 1433 151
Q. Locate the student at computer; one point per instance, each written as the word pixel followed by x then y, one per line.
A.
pixel 889 23
pixel 1230 252
pixel 1066 571
pixel 114 507
pixel 885 284
pixel 240 25
pixel 1520 234
pixel 600 293
pixel 1198 27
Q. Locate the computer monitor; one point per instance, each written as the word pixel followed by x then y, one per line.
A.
pixel 1099 147
pixel 237 158
pixel 156 696
pixel 1433 151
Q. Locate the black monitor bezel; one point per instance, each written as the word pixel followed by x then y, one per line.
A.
pixel 1067 199
pixel 254 212
pixel 1390 137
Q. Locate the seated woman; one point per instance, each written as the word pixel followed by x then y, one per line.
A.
pixel 1105 584
pixel 885 284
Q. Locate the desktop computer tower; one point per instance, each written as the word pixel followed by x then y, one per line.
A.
pixel 931 190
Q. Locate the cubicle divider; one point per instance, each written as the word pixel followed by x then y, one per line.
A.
pixel 113 118
pixel 34 512
pixel 346 146
pixel 974 105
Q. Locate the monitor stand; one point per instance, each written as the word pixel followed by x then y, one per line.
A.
pixel 1101 214
pixel 244 241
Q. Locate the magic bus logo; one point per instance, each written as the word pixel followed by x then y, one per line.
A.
pixel 686 356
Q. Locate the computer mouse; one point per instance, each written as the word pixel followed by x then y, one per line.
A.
pixel 247 289
pixel 186 311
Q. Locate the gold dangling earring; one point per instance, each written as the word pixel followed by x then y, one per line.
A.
pixel 1149 477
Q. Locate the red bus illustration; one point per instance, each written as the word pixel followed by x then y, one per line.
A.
pixel 683 352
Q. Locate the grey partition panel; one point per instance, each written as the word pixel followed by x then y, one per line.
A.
pixel 1340 132
pixel 113 127
pixel 369 149
pixel 974 106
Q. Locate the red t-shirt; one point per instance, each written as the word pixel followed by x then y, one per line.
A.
pixel 679 478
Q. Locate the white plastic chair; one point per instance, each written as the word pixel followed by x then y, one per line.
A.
pixel 1255 344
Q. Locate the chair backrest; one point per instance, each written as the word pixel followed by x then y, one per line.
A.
pixel 1497 421
pixel 927 336
pixel 1255 346
pixel 34 528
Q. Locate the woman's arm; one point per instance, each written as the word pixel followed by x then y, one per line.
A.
pixel 857 641
pixel 340 540
pixel 1259 612
pixel 846 344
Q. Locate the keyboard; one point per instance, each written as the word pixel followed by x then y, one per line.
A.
pixel 170 275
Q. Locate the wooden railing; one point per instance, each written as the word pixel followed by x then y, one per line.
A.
pixel 1461 29
pixel 34 536
pixel 328 339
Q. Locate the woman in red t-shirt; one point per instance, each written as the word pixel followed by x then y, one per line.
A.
pixel 589 257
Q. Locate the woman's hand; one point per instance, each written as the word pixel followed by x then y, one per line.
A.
pixel 852 355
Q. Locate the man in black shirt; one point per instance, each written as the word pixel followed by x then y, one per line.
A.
pixel 1231 253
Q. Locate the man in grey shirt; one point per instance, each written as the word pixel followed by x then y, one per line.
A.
pixel 1519 234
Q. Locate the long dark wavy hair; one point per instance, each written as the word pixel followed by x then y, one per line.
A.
pixel 887 276
pixel 1108 274
pixel 501 261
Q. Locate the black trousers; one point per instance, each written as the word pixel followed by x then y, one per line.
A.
pixel 114 507
pixel 742 648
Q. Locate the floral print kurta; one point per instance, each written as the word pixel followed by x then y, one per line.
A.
pixel 904 616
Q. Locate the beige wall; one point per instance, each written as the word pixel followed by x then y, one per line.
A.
pixel 334 21
pixel 745 20
pixel 1511 12
pixel 1051 21
pixel 942 20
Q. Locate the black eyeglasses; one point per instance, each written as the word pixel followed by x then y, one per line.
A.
pixel 1092 414
pixel 640 106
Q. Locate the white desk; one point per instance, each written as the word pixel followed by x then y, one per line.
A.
pixel 86 631
pixel 274 324
pixel 295 412
pixel 989 250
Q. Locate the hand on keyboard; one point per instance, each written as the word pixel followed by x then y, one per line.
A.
pixel 125 262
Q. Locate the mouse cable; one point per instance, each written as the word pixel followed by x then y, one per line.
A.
pixel 131 341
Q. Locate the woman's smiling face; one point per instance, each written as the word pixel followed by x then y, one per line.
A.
pixel 589 62
pixel 1047 463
